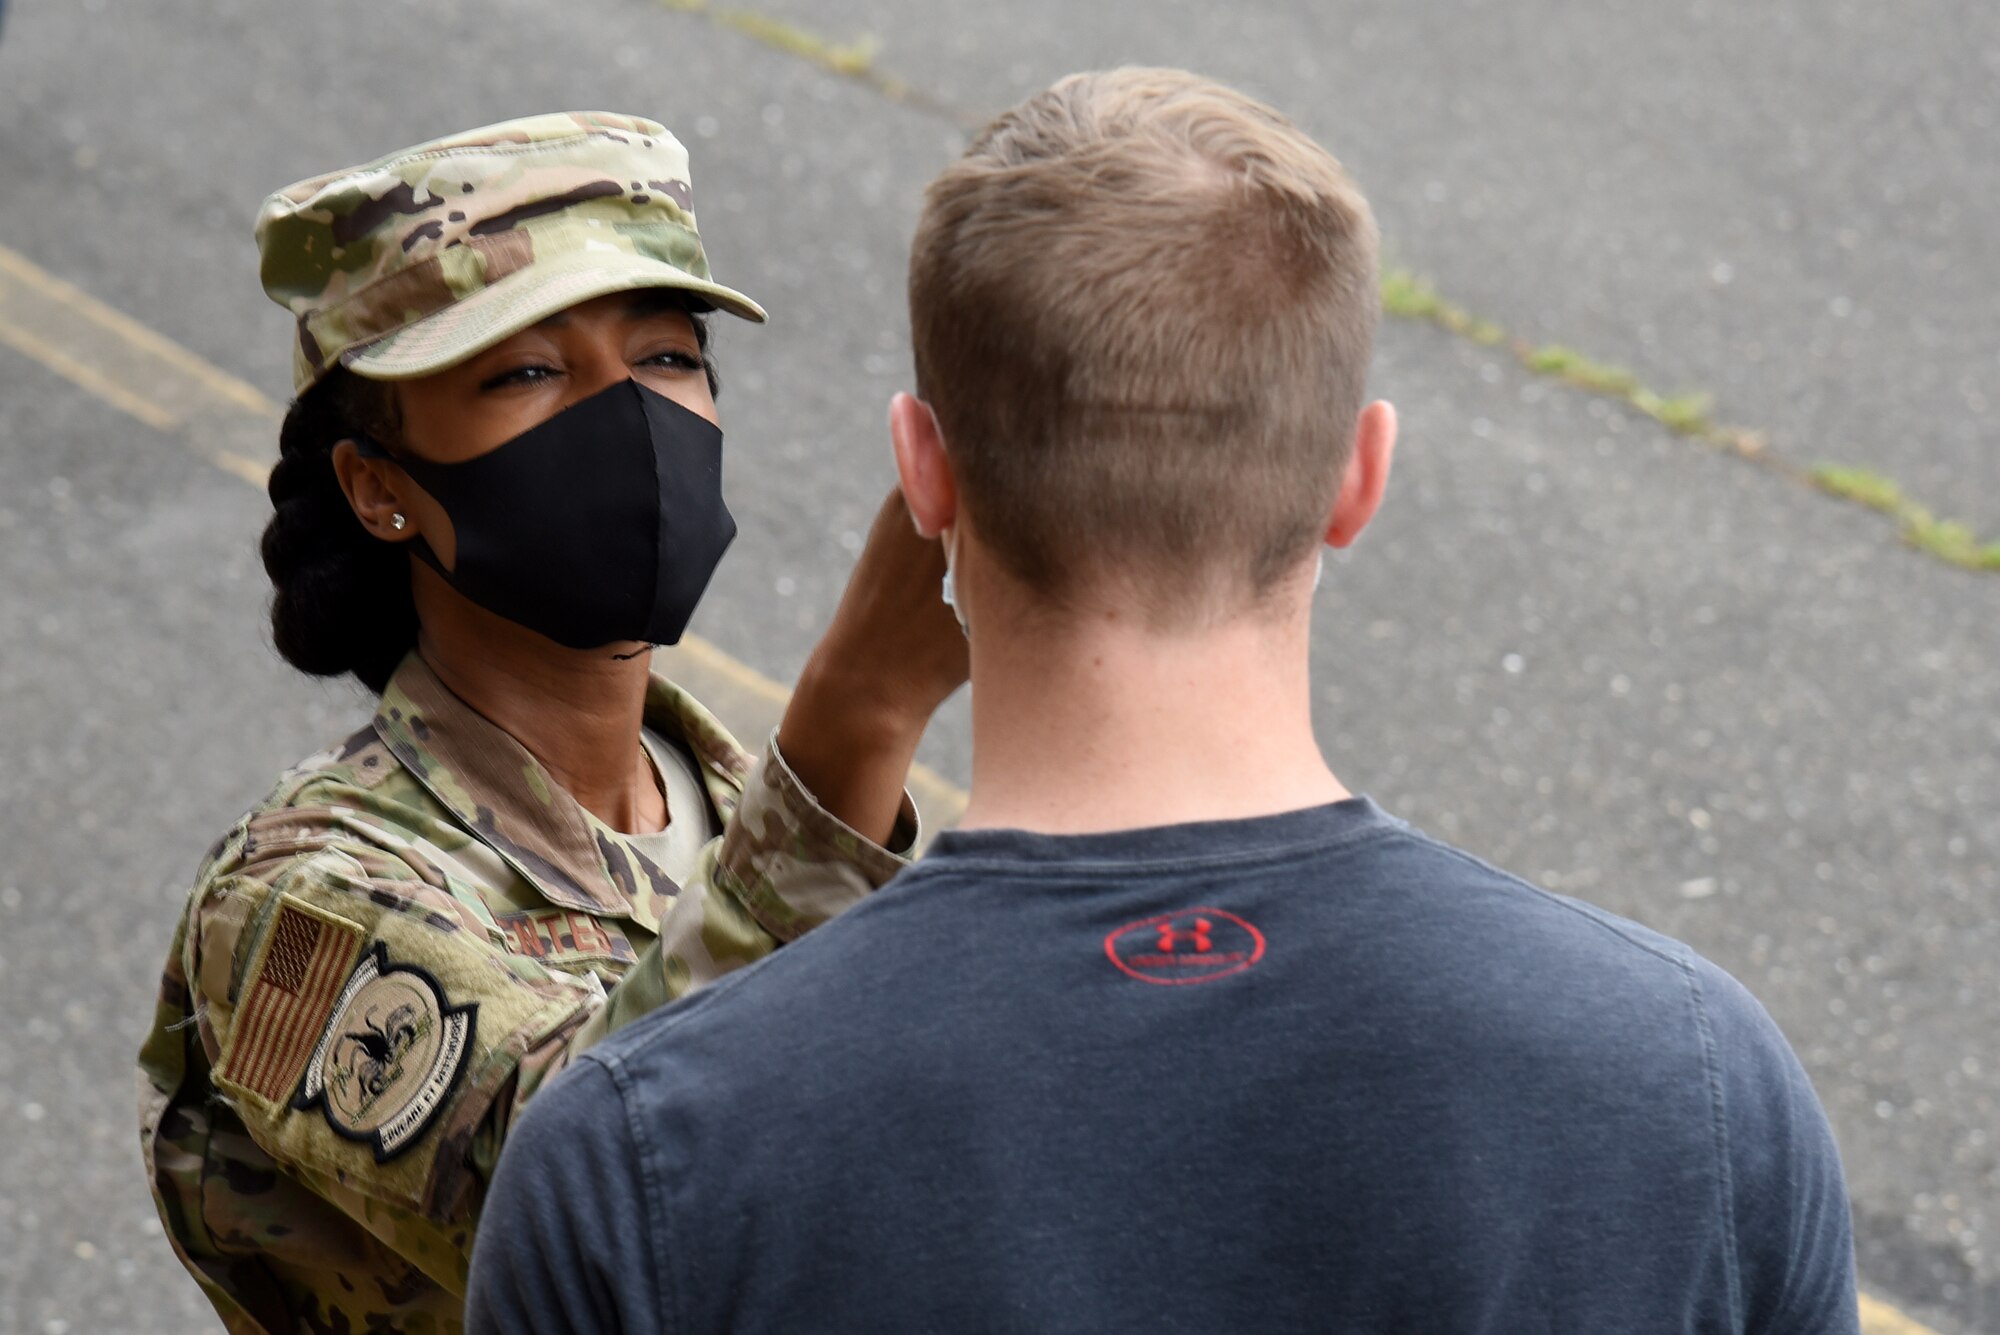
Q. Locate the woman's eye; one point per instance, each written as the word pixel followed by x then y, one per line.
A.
pixel 519 375
pixel 675 359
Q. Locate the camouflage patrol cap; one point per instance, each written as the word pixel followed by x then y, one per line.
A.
pixel 416 261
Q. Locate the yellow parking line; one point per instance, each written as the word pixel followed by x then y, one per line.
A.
pixel 128 334
pixel 85 376
pixel 167 387
pixel 256 474
pixel 1878 1318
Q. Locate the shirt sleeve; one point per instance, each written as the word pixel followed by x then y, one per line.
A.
pixel 566 1245
pixel 377 1041
pixel 1793 1230
pixel 782 866
pixel 793 863
pixel 367 1032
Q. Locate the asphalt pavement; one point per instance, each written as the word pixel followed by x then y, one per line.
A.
pixel 1602 656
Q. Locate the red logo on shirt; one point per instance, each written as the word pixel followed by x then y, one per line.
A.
pixel 1196 945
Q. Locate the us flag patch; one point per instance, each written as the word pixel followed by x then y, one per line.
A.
pixel 294 982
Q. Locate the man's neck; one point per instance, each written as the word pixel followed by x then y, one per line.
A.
pixel 579 712
pixel 1105 725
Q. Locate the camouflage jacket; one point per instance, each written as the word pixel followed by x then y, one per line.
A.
pixel 386 958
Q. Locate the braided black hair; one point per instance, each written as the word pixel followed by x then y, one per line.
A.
pixel 341 600
pixel 341 597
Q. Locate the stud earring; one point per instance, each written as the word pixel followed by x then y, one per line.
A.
pixel 397 522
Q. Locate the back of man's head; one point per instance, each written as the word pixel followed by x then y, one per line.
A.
pixel 1142 307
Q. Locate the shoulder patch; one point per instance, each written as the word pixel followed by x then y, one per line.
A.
pixel 293 983
pixel 388 1057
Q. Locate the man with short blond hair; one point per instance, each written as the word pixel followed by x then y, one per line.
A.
pixel 1174 1032
pixel 1142 308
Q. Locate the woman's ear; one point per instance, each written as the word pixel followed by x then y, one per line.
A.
pixel 922 467
pixel 375 490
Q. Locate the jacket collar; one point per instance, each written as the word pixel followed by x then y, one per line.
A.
pixel 508 800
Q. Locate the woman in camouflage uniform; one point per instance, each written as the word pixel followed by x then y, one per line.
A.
pixel 498 484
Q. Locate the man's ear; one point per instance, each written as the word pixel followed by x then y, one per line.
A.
pixel 922 467
pixel 376 493
pixel 1367 474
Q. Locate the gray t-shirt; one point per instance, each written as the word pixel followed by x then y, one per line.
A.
pixel 1312 1071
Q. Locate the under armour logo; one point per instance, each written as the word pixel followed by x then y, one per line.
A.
pixel 1197 944
pixel 1200 936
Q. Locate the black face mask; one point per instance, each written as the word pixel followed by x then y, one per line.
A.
pixel 603 523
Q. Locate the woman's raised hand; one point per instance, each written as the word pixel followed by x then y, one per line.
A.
pixel 891 655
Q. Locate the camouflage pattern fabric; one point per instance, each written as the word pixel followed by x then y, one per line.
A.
pixel 416 261
pixel 422 920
